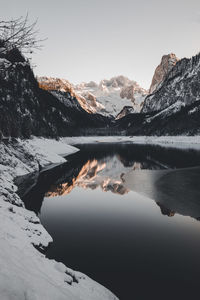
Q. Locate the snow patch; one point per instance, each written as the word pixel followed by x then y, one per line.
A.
pixel 172 109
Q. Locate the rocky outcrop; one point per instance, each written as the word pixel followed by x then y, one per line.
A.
pixel 165 66
pixel 177 119
pixel 92 102
pixel 62 85
pixel 125 111
pixel 128 92
pixel 182 84
pixel 131 92
pixel 136 94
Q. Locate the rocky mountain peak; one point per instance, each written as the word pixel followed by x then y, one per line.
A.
pixel 167 63
pixel 62 85
pixel 54 84
pixel 180 87
pixel 111 95
pixel 108 97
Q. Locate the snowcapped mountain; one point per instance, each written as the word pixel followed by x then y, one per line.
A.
pixel 54 107
pixel 110 96
pixel 181 84
pixel 174 106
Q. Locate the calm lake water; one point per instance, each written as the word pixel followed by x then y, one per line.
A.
pixel 127 216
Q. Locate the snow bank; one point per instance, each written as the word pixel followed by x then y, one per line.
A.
pixel 25 273
pixel 49 150
pixel 173 141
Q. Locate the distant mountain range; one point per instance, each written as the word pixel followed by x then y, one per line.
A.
pixel 107 98
pixel 180 85
pixel 55 107
pixel 113 94
pixel 115 97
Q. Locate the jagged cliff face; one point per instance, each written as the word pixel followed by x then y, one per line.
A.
pixel 110 96
pixel 59 86
pixel 125 111
pixel 162 70
pixel 177 119
pixel 173 108
pixel 26 109
pixel 181 85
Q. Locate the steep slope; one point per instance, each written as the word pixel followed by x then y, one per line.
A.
pixel 173 108
pixel 59 86
pixel 165 66
pixel 177 119
pixel 26 109
pixel 110 96
pixel 182 85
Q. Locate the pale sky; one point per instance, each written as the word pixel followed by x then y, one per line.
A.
pixel 93 39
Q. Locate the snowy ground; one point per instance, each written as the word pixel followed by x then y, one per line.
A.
pixel 172 141
pixel 25 273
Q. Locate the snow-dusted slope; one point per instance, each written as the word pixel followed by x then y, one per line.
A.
pixel 174 106
pixel 62 87
pixel 25 273
pixel 107 98
pixel 112 95
pixel 182 84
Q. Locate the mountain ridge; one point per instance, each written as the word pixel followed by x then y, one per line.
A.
pixel 54 107
pixel 180 84
pixel 108 97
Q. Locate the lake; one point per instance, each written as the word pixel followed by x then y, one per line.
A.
pixel 127 216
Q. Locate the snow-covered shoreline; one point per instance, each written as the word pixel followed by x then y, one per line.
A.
pixel 175 141
pixel 25 273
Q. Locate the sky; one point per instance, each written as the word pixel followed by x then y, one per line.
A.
pixel 96 39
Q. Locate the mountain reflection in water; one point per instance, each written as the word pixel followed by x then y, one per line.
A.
pixel 157 177
pixel 168 176
pixel 104 173
pixel 94 208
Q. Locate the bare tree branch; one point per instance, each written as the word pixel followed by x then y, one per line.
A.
pixel 19 34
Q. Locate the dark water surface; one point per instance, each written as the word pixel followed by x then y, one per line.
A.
pixel 127 216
